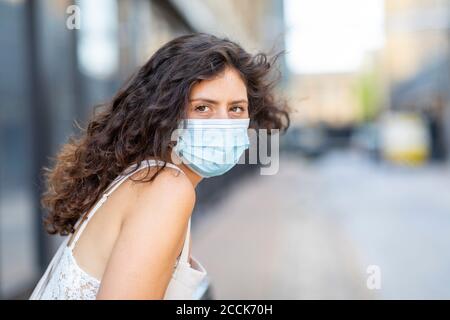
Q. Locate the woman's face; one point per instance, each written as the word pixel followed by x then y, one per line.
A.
pixel 223 97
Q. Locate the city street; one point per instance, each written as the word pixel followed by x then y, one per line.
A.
pixel 312 230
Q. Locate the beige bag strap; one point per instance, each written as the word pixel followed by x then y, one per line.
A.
pixel 184 257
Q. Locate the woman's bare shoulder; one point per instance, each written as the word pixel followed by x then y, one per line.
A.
pixel 169 188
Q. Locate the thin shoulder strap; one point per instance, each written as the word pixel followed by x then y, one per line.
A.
pixel 83 221
pixel 130 171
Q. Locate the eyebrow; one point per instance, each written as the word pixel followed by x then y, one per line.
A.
pixel 216 102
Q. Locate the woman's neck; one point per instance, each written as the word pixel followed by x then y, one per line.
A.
pixel 192 176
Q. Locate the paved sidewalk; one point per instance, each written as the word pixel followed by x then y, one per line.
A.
pixel 268 240
pixel 312 230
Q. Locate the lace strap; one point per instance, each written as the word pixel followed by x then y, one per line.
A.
pixel 83 221
pixel 130 171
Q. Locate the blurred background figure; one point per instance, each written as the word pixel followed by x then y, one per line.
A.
pixel 360 206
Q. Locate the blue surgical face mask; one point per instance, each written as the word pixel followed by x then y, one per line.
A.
pixel 211 147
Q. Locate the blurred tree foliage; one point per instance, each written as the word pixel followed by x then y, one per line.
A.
pixel 368 91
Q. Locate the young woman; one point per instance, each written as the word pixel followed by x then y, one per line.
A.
pixel 137 245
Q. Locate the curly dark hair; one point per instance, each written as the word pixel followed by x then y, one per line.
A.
pixel 138 122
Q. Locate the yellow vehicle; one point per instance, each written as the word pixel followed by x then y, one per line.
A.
pixel 404 138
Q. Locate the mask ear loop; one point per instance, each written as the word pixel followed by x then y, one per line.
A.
pixel 180 127
pixel 184 126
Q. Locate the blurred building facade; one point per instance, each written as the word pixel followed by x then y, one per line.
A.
pixel 417 65
pixel 324 98
pixel 409 73
pixel 53 75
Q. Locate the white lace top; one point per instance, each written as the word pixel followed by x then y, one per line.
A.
pixel 64 279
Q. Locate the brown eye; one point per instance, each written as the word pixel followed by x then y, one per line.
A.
pixel 237 109
pixel 201 108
